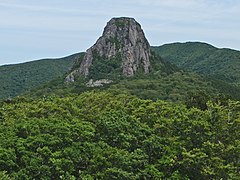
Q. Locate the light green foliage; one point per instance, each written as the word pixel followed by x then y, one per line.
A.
pixel 4 176
pixel 112 135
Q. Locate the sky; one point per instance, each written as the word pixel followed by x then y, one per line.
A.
pixel 36 29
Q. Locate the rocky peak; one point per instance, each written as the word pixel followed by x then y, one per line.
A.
pixel 122 37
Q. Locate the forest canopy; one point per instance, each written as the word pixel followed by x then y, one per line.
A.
pixel 112 135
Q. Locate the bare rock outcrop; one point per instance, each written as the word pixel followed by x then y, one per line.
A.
pixel 98 83
pixel 123 37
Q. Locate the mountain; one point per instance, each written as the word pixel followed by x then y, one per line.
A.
pixel 123 45
pixel 222 64
pixel 123 59
pixel 18 78
pixel 109 116
pixel 121 51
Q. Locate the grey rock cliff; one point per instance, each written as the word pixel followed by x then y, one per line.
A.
pixel 121 36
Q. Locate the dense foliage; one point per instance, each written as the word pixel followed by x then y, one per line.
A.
pixel 176 87
pixel 222 64
pixel 111 135
pixel 18 78
pixel 164 82
pixel 185 87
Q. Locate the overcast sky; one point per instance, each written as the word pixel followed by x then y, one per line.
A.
pixel 35 29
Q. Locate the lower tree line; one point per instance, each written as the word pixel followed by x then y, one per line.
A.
pixel 112 135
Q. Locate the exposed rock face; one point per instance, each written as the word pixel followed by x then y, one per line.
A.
pixel 98 83
pixel 123 37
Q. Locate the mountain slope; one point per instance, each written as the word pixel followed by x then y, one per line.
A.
pixel 18 78
pixel 222 64
pixel 165 80
pixel 179 86
pixel 122 56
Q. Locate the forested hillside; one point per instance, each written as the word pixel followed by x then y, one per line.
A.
pixel 123 110
pixel 219 66
pixel 18 78
pixel 170 84
pixel 222 64
pixel 112 135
